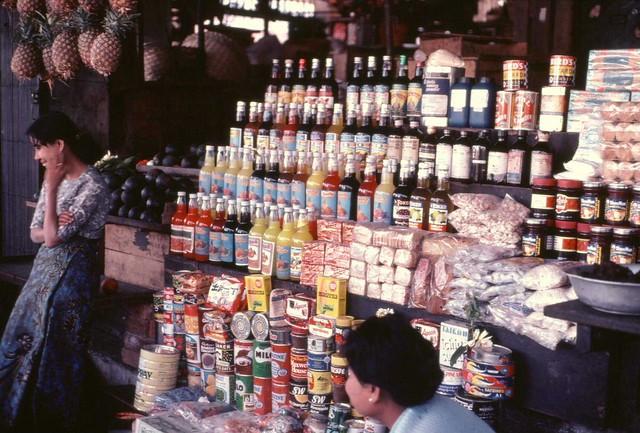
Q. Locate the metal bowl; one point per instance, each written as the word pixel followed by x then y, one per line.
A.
pixel 606 296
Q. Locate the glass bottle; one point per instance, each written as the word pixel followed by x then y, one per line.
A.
pixel 285 88
pixel 217 177
pixel 318 132
pixel 541 158
pixel 299 181
pixel 230 175
pixel 283 246
pixel 419 201
pixel 366 193
pixel 461 159
pixel 348 193
pixel 277 129
pixel 383 87
pixel 440 205
pixel 479 156
pixel 314 183
pixel 190 227
pixel 206 172
pixel 399 89
pixel 363 136
pixel 427 153
pixel 498 160
pixel 353 86
pixel 299 88
pixel 269 239
pixel 329 193
pixel 328 89
pixel 367 90
pixel 177 242
pixel 414 92
pixel 394 139
pixel 227 253
pixel 519 162
pixel 304 130
pixel 263 135
pixel 348 134
pixel 271 178
pixel 235 131
pixel 380 135
pixel 215 234
pixel 290 130
pixel 241 236
pixel 444 151
pixel 284 180
pixel 256 181
pixel 244 175
pixel 250 131
pixel 401 200
pixel 254 249
pixel 311 95
pixel 301 236
pixel 411 140
pixel 271 92
pixel 202 229
pixel 383 197
pixel 332 136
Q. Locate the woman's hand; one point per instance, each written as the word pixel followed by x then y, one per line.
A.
pixel 55 173
pixel 65 218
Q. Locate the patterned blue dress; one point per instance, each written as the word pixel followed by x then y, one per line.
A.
pixel 43 349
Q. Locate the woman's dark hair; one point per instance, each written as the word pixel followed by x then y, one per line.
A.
pixel 388 352
pixel 58 126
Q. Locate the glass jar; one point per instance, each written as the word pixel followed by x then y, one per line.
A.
pixel 616 208
pixel 634 208
pixel 599 245
pixel 534 238
pixel 623 246
pixel 582 244
pixel 592 202
pixel 568 200
pixel 543 197
pixel 565 240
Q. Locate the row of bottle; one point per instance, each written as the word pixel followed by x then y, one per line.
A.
pixel 248 241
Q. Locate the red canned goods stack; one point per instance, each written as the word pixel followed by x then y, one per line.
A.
pixel 505 105
pixel 243 356
pixel 526 110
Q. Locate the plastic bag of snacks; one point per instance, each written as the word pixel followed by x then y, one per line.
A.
pixel 475 202
pixel 196 411
pixel 544 277
pixel 231 422
pixel 191 281
pixel 168 399
pixel 621 112
pixel 279 423
pixel 227 294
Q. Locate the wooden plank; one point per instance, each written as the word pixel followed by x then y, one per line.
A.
pixel 137 242
pixel 576 311
pixel 140 271
pixel 160 228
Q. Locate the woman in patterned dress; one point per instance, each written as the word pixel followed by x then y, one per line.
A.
pixel 43 349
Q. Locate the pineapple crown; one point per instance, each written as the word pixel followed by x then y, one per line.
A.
pixel 48 25
pixel 119 24
pixel 26 31
pixel 84 20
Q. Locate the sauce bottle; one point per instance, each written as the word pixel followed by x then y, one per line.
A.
pixel 353 86
pixel 348 134
pixel 190 226
pixel 399 89
pixel 383 197
pixel 318 132
pixel 401 200
pixel 312 216
pixel 313 83
pixel 269 239
pixel 277 129
pixel 241 236
pixel 271 178
pixel 177 242
pixel 299 181
pixel 380 135
pixel 479 156
pixel 304 130
pixel 329 193
pixel 382 88
pixel 283 246
pixel 202 229
pixel 217 177
pixel 419 202
pixel 250 132
pixel 254 249
pixel 332 137
pixel 444 150
pixel 366 192
pixel 227 252
pixel 206 172
pixel 235 131
pixel 264 130
pixel 231 173
pixel 299 88
pixel 290 130
pixel 541 158
pixel 411 140
pixel 284 180
pixel 348 193
pixel 461 159
pixel 414 93
pixel 498 160
pixel 215 234
pixel 285 88
pixel 301 236
pixel 243 178
pixel 440 206
pixel 256 181
pixel 314 183
pixel 271 92
pixel 519 162
pixel 363 136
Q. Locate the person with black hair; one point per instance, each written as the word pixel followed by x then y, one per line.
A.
pixel 393 377
pixel 43 349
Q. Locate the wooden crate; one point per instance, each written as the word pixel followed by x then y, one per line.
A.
pixel 135 255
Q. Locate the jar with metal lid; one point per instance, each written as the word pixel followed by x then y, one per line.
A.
pixel 592 202
pixel 616 208
pixel 568 195
pixel 565 240
pixel 543 197
pixel 534 238
pixel 634 208
pixel 623 246
pixel 582 244
pixel 599 245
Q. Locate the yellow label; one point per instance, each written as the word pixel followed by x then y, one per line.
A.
pixel 332 296
pixel 258 292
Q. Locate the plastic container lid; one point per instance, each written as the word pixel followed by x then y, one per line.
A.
pixel 569 183
pixel 566 225
pixel 544 181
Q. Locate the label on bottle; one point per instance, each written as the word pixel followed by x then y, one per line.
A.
pixel 249 138
pixel 313 198
pixel 270 190
pixel 295 268
pixel 479 100
pixel 514 166
pixel 201 237
pixel 325 96
pixel 275 139
pixel 215 245
pixel 458 100
pixel 289 140
pixel 284 193
pixel 329 203
pixel 622 254
pixel 331 142
pixel 347 143
pixel 262 142
pixel 316 143
pixel 344 206
pixel 302 141
pixel 543 201
pixel 298 93
pixel 284 95
pixel 590 207
pixel 364 209
pixel 634 213
pixel 433 105
pixel 497 164
pixel 615 211
pixel 226 252
pixel 567 244
pixel 398 94
pixel 394 147
pixel 381 97
pixel 382 207
pixel 353 97
pixel 242 249
pixel 363 143
pixel 566 204
pixel 189 239
pixel 254 252
pixel 235 137
pixel 401 212
pixel 541 165
pixel 379 147
pixel 414 98
pixel 438 215
pixel 427 153
pixel 271 95
pixel 229 189
pixel 594 253
pixel 416 214
pixel 255 189
pixel 268 250
pixel 532 245
pixel 242 187
pixel 217 183
pixel 410 148
pixel 311 95
pixel 298 193
pixel 283 262
pixel 444 152
pixel 460 162
pixel 367 95
pixel 204 181
pixel 177 239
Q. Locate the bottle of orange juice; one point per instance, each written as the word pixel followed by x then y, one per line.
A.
pixel 255 240
pixel 269 242
pixel 283 246
pixel 299 238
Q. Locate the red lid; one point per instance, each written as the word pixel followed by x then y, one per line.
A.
pixel 584 228
pixel 569 183
pixel 544 181
pixel 568 225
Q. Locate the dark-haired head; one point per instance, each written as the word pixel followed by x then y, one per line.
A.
pixel 54 126
pixel 387 352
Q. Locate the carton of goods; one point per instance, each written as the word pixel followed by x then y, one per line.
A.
pixel 628 112
pixel 386 255
pixel 330 230
pixel 258 292
pixel 453 334
pixel 332 296
pixel 400 294
pixel 386 274
pixel 310 274
pixel 580 99
pixel 429 331
pixel 227 294
pixel 622 132
pixel 347 231
pixel 313 253
pixel 338 256
pixel 602 81
pixel 357 286
pixel 623 59
pixel 336 272
pixel 374 290
pixel 358 269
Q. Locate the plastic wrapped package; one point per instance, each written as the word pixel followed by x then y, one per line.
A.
pixel 191 281
pixel 541 321
pixel 443 244
pixel 231 422
pixel 406 258
pixel 195 411
pixel 470 271
pixel 386 292
pixel 400 294
pixel 481 253
pixel 441 275
pixel 338 256
pixel 373 273
pixel 357 286
pixel 374 290
pixel 421 282
pixel 347 231
pixel 514 305
pixel 540 299
pixel 313 253
pixel 476 202
pixel 358 269
pixel 503 277
pixel 503 316
pixel 228 294
pixel 405 238
pixel 336 272
pixel 168 399
pixel 372 255
pixel 387 274
pixel 544 277
pixel 386 255
pixel 501 290
pixel 363 232
pixel 521 264
pixel 403 276
pixel 621 112
pixel 357 251
pixel 330 230
pixel 548 338
pixel 279 423
pixel 468 284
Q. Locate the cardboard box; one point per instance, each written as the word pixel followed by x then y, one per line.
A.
pixel 453 334
pixel 258 292
pixel 331 296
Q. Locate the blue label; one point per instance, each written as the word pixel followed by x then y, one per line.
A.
pixel 275 139
pixel 364 209
pixel 242 187
pixel 202 241
pixel 241 249
pixel 217 183
pixel 382 207
pixel 344 205
pixel 204 182
pixel 235 137
pixel 329 202
pixel 313 198
pixel 363 143
pixel 283 262
pixel 229 187
pixel 284 194
pixel 270 190
pixel 255 189
pixel 347 143
pixel 298 193
pixel 215 245
pixel 226 251
pixel 302 141
pixel 289 140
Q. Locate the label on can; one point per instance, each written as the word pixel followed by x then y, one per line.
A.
pixel 262 391
pixel 562 71
pixel 192 348
pixel 262 359
pixel 224 357
pixel 565 243
pixel 281 363
pixel 279 395
pixel 504 109
pixel 243 356
pixel 543 201
pixel 319 382
pixel 615 210
pixel 338 374
pixel 299 366
pixel 319 361
pixel 622 254
pixel 225 387
pixel 299 395
pixel 566 204
pixel 514 74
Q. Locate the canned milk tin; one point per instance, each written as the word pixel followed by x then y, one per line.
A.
pixel 451 376
pixel 505 104
pixel 193 375
pixel 241 325
pixel 262 359
pixel 339 368
pixel 485 381
pixel 515 75
pixel 526 110
pixel 475 367
pixel 343 327
pixel 262 391
pixel 491 393
pixel 279 395
pixel 319 361
pixel 280 335
pixel 225 387
pixel 486 410
pixel 244 386
pixel 260 327
pixel 495 355
pixel 562 71
pixel 280 363
pixel 208 354
pixel 243 356
pixel 319 382
pixel 320 344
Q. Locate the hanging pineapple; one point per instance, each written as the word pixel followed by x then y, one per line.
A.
pixel 62 8
pixel 124 7
pixel 107 47
pixel 48 26
pixel 26 62
pixel 88 28
pixel 92 6
pixel 30 7
pixel 64 52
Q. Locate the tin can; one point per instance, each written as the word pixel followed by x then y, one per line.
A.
pixel 299 365
pixel 244 386
pixel 208 382
pixel 191 319
pixel 158 306
pixel 515 75
pixel 241 325
pixel 216 325
pixel 319 361
pixel 262 359
pixel 168 329
pixel 322 325
pixel 343 328
pixel 225 387
pixel 280 335
pixel 476 367
pixel 491 393
pixel 224 357
pixel 277 306
pixel 372 425
pixel 495 355
pixel 202 309
pixel 451 382
pixel 505 105
pixel 526 110
pixel 260 327
pixel 320 344
pixel 279 395
pixel 299 341
pixel 339 368
pixel 280 363
pixel 193 375
pixel 319 403
pixel 487 410
pixel 562 71
pixel 243 356
pixel 192 348
pixel 208 354
pixel 319 382
pixel 180 342
pixel 338 415
pixel 355 426
pixel 262 391
pixel 430 331
pixel 299 394
pixel 178 317
pixel 486 381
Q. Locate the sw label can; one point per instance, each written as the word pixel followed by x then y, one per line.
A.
pixel 299 395
pixel 319 403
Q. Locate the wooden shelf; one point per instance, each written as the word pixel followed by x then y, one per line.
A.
pixel 162 228
pixel 174 171
pixel 576 311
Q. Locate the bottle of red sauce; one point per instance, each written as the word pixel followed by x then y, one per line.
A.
pixel 190 227
pixel 177 225
pixel 203 227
